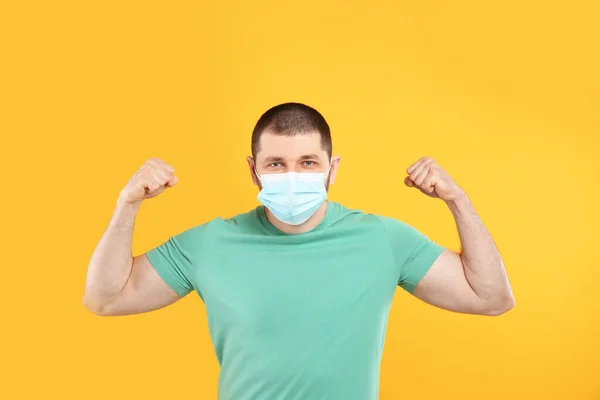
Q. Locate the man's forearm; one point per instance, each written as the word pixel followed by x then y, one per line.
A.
pixel 483 265
pixel 112 260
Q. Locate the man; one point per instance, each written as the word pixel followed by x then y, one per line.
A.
pixel 297 290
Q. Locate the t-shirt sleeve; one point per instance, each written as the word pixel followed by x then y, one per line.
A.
pixel 176 259
pixel 414 252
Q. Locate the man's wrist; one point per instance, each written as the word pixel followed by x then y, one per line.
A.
pixel 125 212
pixel 459 203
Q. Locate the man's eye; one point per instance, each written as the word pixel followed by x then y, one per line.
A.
pixel 309 163
pixel 274 164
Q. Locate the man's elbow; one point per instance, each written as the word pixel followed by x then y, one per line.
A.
pixel 94 307
pixel 501 307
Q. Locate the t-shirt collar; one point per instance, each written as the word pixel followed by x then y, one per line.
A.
pixel 273 230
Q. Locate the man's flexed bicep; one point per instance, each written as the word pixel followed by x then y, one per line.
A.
pixel 144 291
pixel 160 276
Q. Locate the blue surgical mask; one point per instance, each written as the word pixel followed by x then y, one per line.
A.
pixel 293 197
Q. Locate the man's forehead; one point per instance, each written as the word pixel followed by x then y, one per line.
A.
pixel 304 145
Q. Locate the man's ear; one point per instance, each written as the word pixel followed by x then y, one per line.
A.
pixel 335 163
pixel 252 165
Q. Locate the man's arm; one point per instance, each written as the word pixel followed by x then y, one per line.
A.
pixel 475 280
pixel 118 283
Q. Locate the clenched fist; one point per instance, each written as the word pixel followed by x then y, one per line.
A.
pixel 431 179
pixel 149 181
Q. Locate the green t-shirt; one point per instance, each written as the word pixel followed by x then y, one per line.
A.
pixel 297 316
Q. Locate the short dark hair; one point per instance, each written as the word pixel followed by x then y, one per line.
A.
pixel 292 119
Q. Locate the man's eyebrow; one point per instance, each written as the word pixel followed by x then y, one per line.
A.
pixel 309 157
pixel 271 159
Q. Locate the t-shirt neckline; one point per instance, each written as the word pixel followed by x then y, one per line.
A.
pixel 262 214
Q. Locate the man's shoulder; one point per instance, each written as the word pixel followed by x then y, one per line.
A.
pixel 341 213
pixel 242 218
pixel 359 216
pixel 339 210
pixel 245 221
pixel 249 217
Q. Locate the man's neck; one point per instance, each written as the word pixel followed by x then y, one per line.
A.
pixel 309 225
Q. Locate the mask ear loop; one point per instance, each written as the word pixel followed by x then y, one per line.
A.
pixel 329 169
pixel 257 175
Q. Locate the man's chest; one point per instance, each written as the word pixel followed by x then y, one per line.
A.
pixel 269 288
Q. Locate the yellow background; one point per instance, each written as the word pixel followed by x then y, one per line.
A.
pixel 505 96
